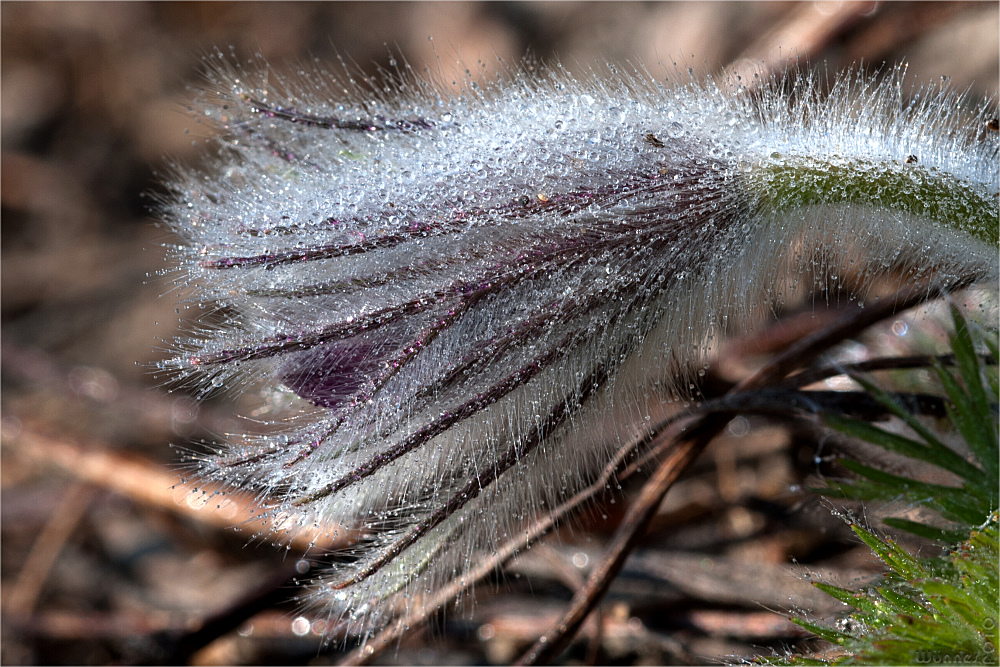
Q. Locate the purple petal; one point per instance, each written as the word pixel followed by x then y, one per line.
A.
pixel 329 375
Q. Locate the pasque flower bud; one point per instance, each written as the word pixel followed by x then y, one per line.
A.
pixel 478 297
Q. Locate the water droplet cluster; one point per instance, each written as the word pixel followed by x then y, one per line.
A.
pixel 471 300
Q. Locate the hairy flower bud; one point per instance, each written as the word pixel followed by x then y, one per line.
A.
pixel 479 297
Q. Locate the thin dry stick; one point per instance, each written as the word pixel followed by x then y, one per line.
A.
pixel 686 451
pixel 574 580
pixel 180 646
pixel 632 528
pixel 784 402
pixel 809 347
pixel 812 376
pixel 47 546
pixel 804 32
pixel 153 485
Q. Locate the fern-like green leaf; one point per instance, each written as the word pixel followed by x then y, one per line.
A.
pixel 927 610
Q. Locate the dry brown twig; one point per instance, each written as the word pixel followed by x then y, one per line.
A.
pixel 57 530
pixel 156 486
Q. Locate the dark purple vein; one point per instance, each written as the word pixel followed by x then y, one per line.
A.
pixel 525 206
pixel 526 265
pixel 475 405
pixel 326 251
pixel 560 313
pixel 273 346
pixel 380 124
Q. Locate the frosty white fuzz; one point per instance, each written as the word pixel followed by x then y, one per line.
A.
pixel 478 298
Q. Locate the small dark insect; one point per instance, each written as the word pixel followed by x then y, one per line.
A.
pixel 525 200
pixel 993 124
pixel 653 141
pixel 911 159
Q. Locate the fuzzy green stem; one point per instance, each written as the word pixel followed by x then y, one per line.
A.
pixel 793 182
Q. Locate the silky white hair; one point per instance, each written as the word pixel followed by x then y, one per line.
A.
pixel 479 297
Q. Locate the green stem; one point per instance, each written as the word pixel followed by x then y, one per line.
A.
pixel 793 182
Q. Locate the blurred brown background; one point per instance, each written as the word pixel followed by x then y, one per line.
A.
pixel 98 552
